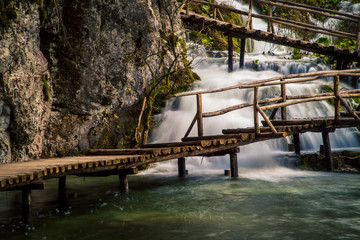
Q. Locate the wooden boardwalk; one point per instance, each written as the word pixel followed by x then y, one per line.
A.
pixel 113 161
pixel 27 176
pixel 243 32
pixel 104 162
pixel 216 21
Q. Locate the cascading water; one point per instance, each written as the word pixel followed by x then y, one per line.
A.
pixel 178 114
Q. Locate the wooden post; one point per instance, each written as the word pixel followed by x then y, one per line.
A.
pixel 230 54
pixel 270 24
pixel 215 9
pixel 336 93
pixel 249 22
pixel 181 167
pixel 327 149
pixel 123 182
pixel 358 38
pixel 62 187
pixel 234 165
pixel 26 204
pixel 187 7
pixel 297 143
pixel 283 95
pixel 256 116
pixel 339 64
pixel 62 193
pixel 242 53
pixel 199 115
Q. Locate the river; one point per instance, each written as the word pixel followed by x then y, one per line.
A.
pixel 269 200
pixel 306 205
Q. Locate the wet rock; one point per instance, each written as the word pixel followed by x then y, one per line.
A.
pixel 76 81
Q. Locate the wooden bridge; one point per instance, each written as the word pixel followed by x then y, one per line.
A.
pixel 216 21
pixel 26 176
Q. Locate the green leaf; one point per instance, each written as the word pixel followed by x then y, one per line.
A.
pixel 323 40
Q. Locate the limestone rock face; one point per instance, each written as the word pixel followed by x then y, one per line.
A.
pixel 23 109
pixel 90 54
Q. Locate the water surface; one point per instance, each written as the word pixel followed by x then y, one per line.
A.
pixel 289 204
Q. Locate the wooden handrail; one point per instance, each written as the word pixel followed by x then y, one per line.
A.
pixel 290 23
pixel 351 72
pixel 317 8
pixel 305 8
pixel 282 101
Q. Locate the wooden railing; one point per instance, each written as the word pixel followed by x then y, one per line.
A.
pixel 280 102
pixel 349 18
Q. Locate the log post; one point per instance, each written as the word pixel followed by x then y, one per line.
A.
pixel 339 64
pixel 283 95
pixel 26 204
pixel 358 38
pixel 270 24
pixel 62 193
pixel 297 143
pixel 242 53
pixel 230 53
pixel 327 150
pixel 337 95
pixel 199 115
pixel 62 188
pixel 249 22
pixel 187 7
pixel 181 167
pixel 234 165
pixel 215 9
pixel 256 116
pixel 123 182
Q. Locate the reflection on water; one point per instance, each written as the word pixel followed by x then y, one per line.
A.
pixel 298 205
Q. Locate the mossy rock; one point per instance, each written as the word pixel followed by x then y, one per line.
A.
pixel 313 162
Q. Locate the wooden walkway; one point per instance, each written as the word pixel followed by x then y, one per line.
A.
pixel 216 21
pixel 243 32
pixel 102 162
pixel 114 161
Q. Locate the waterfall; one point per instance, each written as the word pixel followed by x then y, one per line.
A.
pixel 175 119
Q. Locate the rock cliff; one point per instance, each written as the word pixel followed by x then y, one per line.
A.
pixel 75 78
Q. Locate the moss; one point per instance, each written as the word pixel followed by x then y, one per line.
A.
pixel 211 38
pixel 8 10
pixel 46 89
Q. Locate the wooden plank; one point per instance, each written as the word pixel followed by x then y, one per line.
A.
pixel 119 151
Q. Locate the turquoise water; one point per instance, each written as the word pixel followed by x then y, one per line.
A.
pixel 206 205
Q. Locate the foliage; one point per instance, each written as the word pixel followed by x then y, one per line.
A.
pixel 324 41
pixel 300 16
pixel 210 38
pixel 347 44
pixel 171 75
pixel 46 89
pixel 297 54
